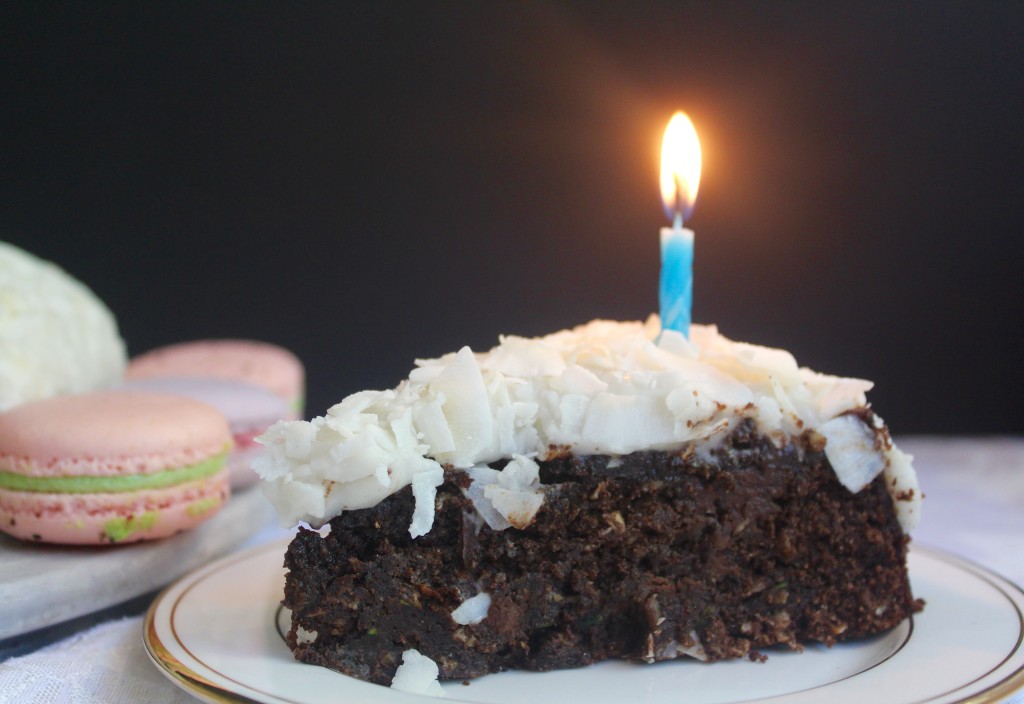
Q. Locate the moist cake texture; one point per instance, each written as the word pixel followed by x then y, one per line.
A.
pixel 611 491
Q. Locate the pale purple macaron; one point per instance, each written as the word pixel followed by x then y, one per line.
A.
pixel 249 410
pixel 110 467
pixel 249 361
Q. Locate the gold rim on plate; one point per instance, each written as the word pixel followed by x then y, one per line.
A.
pixel 198 685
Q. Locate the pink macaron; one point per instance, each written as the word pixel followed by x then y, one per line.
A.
pixel 249 410
pixel 248 361
pixel 111 467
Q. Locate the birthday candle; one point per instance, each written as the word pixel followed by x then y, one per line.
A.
pixel 680 178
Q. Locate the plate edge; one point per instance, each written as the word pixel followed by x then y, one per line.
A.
pixel 196 684
pixel 167 664
pixel 1014 681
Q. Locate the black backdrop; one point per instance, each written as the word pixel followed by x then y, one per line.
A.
pixel 369 183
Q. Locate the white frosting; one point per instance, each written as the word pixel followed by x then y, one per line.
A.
pixel 601 388
pixel 56 336
pixel 901 480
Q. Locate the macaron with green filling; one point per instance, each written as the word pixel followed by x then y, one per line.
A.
pixel 111 467
pixel 249 410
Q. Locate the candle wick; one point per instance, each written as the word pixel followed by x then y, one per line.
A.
pixel 678 223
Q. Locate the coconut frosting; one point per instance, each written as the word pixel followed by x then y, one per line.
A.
pixel 605 387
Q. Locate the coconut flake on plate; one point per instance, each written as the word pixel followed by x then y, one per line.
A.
pixel 417 675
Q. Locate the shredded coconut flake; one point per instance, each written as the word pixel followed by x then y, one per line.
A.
pixel 302 636
pixel 602 388
pixel 473 610
pixel 324 530
pixel 695 651
pixel 506 498
pixel 851 450
pixel 417 675
pixel 424 490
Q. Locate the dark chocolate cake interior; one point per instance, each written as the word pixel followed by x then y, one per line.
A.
pixel 648 557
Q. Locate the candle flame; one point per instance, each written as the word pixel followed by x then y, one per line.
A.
pixel 680 168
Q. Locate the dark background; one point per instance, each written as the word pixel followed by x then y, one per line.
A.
pixel 370 183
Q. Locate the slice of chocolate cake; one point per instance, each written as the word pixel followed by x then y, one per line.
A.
pixel 597 493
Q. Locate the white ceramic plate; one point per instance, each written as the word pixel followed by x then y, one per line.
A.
pixel 215 633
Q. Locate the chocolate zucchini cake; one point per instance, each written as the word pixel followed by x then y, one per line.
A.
pixel 602 492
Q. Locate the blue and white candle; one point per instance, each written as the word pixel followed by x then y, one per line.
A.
pixel 680 178
pixel 675 295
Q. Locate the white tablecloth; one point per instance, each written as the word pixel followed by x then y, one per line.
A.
pixel 974 507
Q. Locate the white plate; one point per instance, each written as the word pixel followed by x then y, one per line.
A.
pixel 215 634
